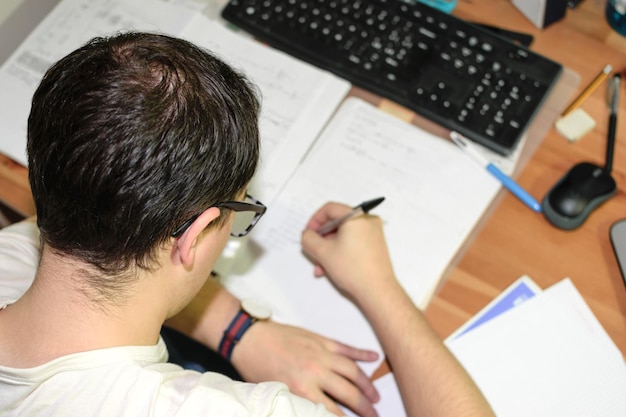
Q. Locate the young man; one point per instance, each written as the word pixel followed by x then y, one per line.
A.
pixel 140 150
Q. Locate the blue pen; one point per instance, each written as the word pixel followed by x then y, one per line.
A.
pixel 507 181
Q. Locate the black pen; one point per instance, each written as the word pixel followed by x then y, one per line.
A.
pixel 362 208
pixel 613 99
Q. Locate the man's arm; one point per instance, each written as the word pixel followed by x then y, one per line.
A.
pixel 356 260
pixel 317 368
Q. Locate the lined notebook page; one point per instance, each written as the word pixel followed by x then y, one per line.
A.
pixel 434 194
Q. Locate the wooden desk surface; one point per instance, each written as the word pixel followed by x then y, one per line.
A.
pixel 514 240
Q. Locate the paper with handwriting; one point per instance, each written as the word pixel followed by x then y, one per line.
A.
pixel 69 25
pixel 297 98
pixel 434 196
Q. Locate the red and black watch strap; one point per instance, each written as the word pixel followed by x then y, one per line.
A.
pixel 233 333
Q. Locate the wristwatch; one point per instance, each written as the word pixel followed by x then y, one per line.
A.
pixel 251 311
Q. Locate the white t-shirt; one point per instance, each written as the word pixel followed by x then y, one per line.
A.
pixel 124 381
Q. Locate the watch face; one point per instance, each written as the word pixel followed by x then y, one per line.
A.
pixel 256 309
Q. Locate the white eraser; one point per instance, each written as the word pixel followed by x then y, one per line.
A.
pixel 575 125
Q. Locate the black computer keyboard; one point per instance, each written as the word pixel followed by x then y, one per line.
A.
pixel 455 73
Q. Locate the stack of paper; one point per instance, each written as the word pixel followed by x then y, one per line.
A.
pixel 537 354
pixel 549 356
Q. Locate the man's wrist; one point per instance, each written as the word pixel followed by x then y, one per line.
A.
pixel 250 312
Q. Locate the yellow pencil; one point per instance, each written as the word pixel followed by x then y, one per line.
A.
pixel 589 89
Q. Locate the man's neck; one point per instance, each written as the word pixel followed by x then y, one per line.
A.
pixel 57 316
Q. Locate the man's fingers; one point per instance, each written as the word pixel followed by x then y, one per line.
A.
pixel 349 395
pixel 364 355
pixel 355 375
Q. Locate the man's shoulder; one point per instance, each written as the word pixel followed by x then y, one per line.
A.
pixel 19 257
pixel 134 381
pixel 20 241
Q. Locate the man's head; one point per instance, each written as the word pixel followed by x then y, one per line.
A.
pixel 130 136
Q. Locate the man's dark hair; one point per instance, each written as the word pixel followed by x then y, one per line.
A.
pixel 131 135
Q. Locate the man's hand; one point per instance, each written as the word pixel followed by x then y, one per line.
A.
pixel 314 367
pixel 355 258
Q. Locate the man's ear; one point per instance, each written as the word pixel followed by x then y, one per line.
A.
pixel 183 251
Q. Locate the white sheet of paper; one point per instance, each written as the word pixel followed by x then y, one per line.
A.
pixel 297 98
pixel 69 25
pixel 550 358
pixel 546 357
